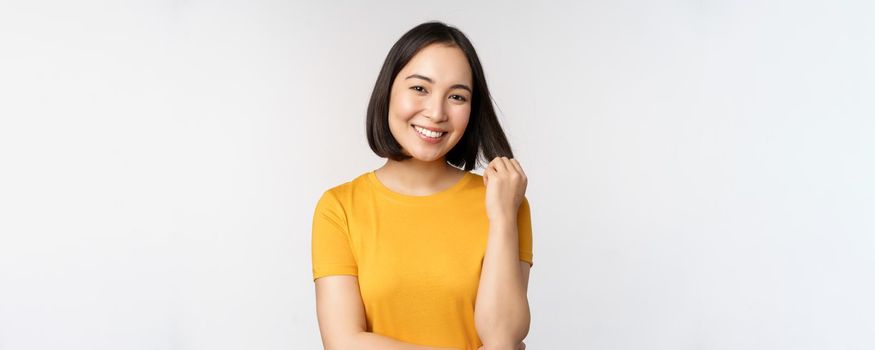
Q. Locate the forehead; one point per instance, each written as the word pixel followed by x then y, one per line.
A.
pixel 444 64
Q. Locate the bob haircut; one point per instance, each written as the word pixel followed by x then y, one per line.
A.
pixel 483 133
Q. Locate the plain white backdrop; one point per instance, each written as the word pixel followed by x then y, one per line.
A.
pixel 702 173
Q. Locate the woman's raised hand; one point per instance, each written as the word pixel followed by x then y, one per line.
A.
pixel 505 188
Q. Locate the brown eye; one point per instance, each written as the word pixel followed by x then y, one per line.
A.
pixel 417 88
pixel 460 98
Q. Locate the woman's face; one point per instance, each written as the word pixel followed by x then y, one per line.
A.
pixel 432 91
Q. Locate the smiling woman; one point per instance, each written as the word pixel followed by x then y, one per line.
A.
pixel 436 111
pixel 430 54
pixel 421 253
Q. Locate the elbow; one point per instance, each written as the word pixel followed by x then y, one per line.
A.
pixel 520 331
pixel 523 330
pixel 342 342
pixel 503 332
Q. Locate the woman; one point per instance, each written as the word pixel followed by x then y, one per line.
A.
pixel 421 253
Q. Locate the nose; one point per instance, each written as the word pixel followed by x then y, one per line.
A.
pixel 434 109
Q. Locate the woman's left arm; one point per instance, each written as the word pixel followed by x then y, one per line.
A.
pixel 501 311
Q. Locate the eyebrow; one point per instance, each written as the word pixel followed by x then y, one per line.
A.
pixel 456 86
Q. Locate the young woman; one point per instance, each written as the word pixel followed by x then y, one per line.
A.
pixel 422 253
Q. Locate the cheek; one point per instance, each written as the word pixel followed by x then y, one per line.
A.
pixel 403 108
pixel 461 118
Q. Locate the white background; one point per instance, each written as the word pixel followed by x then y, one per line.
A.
pixel 702 173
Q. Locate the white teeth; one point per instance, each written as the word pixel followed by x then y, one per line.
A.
pixel 429 133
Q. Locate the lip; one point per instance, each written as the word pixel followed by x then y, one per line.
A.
pixel 427 139
pixel 428 128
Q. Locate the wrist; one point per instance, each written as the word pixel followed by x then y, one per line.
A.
pixel 502 220
pixel 499 347
pixel 503 215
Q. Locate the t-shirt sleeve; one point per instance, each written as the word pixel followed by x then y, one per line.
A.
pixel 331 248
pixel 524 228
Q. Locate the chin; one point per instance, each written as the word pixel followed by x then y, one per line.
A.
pixel 426 157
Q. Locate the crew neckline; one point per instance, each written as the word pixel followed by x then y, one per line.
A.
pixel 372 176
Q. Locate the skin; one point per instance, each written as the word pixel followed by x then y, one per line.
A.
pixel 435 104
pixel 430 91
pixel 501 311
pixel 433 91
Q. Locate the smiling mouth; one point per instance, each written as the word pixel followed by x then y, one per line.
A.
pixel 428 133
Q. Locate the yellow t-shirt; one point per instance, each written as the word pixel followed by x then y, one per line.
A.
pixel 417 258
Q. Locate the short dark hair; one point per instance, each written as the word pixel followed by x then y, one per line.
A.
pixel 483 133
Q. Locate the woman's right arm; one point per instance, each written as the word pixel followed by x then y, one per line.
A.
pixel 342 318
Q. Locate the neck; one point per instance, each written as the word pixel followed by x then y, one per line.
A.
pixel 415 176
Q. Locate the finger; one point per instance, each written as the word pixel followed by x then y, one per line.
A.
pixel 498 164
pixel 508 165
pixel 492 166
pixel 518 167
